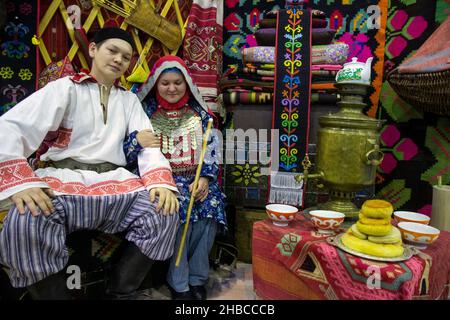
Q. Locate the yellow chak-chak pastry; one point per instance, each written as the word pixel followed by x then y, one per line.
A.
pixel 373 249
pixel 393 237
pixel 373 229
pixel 367 220
pixel 377 209
pixel 354 230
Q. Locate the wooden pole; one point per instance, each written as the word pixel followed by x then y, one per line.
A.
pixel 194 190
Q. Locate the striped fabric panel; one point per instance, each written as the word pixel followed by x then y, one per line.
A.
pixel 34 247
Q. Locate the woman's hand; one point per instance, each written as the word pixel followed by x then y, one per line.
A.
pixel 202 189
pixel 148 139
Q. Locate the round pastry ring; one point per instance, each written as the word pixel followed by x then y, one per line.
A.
pixel 407 253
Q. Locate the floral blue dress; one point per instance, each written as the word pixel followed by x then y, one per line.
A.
pixel 214 205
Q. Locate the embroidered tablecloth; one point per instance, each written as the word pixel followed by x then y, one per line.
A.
pixel 296 262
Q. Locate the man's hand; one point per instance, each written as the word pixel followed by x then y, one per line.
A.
pixel 148 139
pixel 34 199
pixel 167 200
pixel 202 189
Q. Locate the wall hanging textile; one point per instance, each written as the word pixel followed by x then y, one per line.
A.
pixel 291 104
pixel 17 54
pixel 202 47
pixel 415 143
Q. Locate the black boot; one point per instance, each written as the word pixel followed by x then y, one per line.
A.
pixel 53 287
pixel 198 292
pixel 187 295
pixel 128 275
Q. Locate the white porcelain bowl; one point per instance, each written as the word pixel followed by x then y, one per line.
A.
pixel 409 216
pixel 326 221
pixel 418 234
pixel 281 214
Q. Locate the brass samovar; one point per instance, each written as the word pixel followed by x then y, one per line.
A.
pixel 348 150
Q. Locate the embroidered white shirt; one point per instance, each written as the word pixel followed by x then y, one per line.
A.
pixel 74 111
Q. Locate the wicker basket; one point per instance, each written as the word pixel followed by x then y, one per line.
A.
pixel 429 92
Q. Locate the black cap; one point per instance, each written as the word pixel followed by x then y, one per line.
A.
pixel 113 32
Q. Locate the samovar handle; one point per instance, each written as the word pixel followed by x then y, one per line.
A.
pixel 375 156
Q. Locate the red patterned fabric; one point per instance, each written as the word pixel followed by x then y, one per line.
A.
pixel 16 172
pixel 63 139
pixel 55 70
pixel 296 262
pixel 201 48
pixel 84 75
pixel 59 139
pixel 158 176
pixel 110 187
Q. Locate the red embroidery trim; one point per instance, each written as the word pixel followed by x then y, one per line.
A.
pixel 63 139
pixel 16 172
pixel 109 187
pixel 158 176
pixel 84 76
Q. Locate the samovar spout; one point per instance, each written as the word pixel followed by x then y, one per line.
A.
pixel 306 163
pixel 305 176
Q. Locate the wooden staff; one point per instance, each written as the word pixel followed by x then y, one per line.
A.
pixel 194 190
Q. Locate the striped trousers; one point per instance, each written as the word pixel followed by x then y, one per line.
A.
pixel 33 248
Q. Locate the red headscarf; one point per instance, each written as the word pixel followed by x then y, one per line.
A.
pixel 163 103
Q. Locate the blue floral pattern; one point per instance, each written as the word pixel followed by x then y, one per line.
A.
pixel 214 205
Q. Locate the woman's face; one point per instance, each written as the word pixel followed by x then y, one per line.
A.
pixel 171 86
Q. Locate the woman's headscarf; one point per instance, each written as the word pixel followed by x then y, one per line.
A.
pixel 162 64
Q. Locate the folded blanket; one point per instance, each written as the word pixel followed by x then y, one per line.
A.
pixel 324 98
pixel 335 53
pixel 247 84
pixel 266 85
pixel 268 23
pixel 267 36
pixel 261 72
pixel 329 86
pixel 272 23
pixel 260 54
pixel 233 98
pixel 323 78
pixel 251 68
pixel 324 72
pixel 261 66
pixel 250 76
pixel 326 67
pixel 315 13
pixel 322 35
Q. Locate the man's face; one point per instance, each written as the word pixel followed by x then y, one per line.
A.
pixel 111 59
pixel 171 86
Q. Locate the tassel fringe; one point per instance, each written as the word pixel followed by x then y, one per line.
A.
pixel 285 190
pixel 286 196
pixel 285 180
